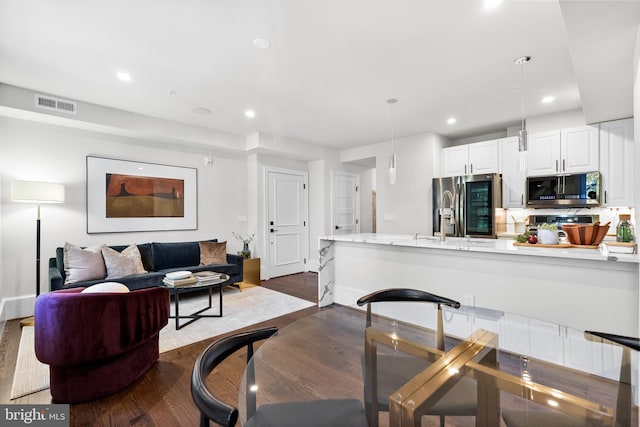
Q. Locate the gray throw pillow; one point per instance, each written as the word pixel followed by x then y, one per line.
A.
pixel 82 264
pixel 121 264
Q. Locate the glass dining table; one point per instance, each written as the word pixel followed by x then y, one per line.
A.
pixel 526 371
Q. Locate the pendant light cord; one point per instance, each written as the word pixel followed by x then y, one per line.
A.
pixel 391 101
pixel 522 92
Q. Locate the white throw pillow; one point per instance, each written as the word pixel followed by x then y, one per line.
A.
pixel 121 264
pixel 113 287
pixel 82 264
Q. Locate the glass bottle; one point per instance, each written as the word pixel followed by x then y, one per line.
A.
pixel 624 231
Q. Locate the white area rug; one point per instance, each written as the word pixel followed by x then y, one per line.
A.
pixel 30 376
pixel 240 309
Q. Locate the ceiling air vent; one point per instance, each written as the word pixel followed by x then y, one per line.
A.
pixel 61 105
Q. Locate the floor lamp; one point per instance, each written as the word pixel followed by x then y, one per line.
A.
pixel 37 192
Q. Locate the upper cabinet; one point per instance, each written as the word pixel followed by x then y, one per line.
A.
pixel 513 178
pixel 470 159
pixel 543 153
pixel 563 151
pixel 616 162
pixel 455 160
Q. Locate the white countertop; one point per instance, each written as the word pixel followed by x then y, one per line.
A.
pixel 483 245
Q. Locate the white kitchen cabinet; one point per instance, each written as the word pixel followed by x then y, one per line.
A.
pixel 484 157
pixel 580 149
pixel 515 335
pixel 543 153
pixel 547 341
pixel 564 151
pixel 513 179
pixel 455 160
pixel 470 159
pixel 579 353
pixel 616 163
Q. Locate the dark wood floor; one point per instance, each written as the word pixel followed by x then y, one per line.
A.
pixel 162 397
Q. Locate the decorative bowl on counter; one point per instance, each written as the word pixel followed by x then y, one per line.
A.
pixel 585 234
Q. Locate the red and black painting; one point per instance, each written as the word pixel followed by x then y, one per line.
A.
pixel 130 196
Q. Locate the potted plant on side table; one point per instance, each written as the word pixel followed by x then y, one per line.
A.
pixel 245 252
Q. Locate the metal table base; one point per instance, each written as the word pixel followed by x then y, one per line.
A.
pixel 196 315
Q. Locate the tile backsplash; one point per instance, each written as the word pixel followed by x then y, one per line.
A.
pixel 608 214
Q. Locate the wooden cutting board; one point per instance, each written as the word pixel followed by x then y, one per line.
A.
pixel 559 245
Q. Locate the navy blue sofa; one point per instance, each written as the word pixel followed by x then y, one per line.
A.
pixel 158 259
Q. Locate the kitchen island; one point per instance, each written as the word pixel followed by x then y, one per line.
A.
pixel 581 288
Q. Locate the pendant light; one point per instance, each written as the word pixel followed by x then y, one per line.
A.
pixel 522 133
pixel 392 155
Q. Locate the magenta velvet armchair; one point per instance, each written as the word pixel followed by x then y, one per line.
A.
pixel 98 343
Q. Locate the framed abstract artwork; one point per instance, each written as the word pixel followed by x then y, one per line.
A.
pixel 126 196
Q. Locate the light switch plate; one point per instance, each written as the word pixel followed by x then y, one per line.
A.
pixel 242 218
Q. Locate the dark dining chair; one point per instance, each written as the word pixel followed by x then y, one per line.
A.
pixel 623 405
pixel 316 413
pixel 394 371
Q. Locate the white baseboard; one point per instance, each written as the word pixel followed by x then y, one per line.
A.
pixel 17 307
pixel 346 295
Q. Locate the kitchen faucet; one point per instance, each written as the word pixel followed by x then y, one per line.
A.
pixel 443 231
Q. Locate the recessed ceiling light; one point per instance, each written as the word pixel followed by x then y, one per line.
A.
pixel 250 114
pixel 125 77
pixel 202 110
pixel 548 99
pixel 451 120
pixel 491 4
pixel 262 43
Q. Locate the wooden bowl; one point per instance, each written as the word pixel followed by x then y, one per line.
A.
pixel 585 234
pixel 572 231
pixel 599 235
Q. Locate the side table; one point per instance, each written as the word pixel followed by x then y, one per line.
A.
pixel 250 273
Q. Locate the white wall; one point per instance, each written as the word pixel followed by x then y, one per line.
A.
pixel 32 151
pixel 231 194
pixel 416 159
pixel 367 185
pixel 566 119
pixel 636 127
pixel 636 124
pixel 3 316
pixel 318 221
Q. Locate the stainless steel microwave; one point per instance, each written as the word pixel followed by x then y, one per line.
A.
pixel 562 191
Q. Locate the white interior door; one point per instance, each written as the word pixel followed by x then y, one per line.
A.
pixel 287 236
pixel 345 203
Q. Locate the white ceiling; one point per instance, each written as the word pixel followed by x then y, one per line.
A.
pixel 332 63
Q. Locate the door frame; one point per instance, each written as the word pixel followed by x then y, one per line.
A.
pixel 265 216
pixel 334 172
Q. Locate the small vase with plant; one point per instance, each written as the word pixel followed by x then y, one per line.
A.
pixel 245 252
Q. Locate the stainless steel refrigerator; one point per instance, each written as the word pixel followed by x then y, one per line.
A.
pixel 475 199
